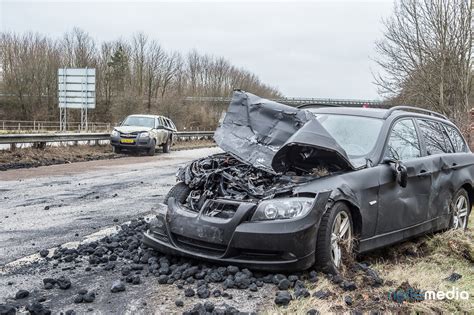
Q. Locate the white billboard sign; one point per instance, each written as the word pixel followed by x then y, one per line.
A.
pixel 76 88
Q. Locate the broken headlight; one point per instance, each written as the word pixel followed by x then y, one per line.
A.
pixel 283 208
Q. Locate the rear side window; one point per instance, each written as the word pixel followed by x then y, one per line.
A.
pixel 456 139
pixel 167 123
pixel 436 139
pixel 403 143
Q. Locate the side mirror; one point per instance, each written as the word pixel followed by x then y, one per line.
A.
pixel 399 171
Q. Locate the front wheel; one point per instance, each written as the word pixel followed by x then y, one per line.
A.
pixel 167 146
pixel 116 149
pixel 335 238
pixel 461 207
pixel 151 150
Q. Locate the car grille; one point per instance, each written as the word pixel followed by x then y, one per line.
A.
pixel 223 209
pixel 198 245
pixel 132 135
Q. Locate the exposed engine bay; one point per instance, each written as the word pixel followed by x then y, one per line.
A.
pixel 225 177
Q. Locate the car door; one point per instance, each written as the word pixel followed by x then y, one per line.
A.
pixel 439 150
pixel 162 133
pixel 403 207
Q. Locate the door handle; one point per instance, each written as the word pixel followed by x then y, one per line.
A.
pixel 422 172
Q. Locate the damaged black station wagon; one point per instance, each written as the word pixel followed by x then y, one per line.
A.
pixel 302 186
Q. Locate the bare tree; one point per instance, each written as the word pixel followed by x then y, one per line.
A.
pixel 425 55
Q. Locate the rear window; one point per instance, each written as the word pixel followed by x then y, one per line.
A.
pixel 436 139
pixel 456 139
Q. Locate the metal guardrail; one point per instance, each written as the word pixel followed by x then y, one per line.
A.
pixel 13 139
pixel 38 126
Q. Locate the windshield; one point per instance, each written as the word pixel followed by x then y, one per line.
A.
pixel 139 121
pixel 355 134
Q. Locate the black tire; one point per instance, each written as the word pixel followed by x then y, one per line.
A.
pixel 151 150
pixel 323 260
pixel 180 192
pixel 167 146
pixel 459 194
pixel 116 149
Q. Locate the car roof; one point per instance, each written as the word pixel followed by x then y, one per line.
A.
pixel 380 113
pixel 147 116
pixel 353 111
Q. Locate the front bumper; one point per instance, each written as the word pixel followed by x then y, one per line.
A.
pixel 137 144
pixel 283 245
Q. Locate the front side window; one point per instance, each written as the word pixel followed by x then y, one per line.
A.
pixel 456 139
pixel 403 142
pixel 436 140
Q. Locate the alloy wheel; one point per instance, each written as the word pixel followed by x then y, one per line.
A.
pixel 341 235
pixel 460 212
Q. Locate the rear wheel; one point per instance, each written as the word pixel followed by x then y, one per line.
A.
pixel 179 192
pixel 335 241
pixel 167 146
pixel 461 208
pixel 151 150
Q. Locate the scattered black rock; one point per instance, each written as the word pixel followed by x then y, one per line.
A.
pixel 79 298
pixel 301 293
pixel 189 292
pixel 313 276
pixel 70 312
pixel 284 284
pixel 322 295
pixel 209 306
pixel 44 253
pixel 312 312
pixel 117 286
pixel 63 282
pixel 348 286
pixel 348 300
pixel 453 277
pixel 283 298
pixel 37 308
pixel 179 303
pixel 46 208
pixel 21 294
pixel 6 309
pixel 203 292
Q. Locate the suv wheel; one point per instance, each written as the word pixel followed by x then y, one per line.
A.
pixel 167 146
pixel 151 150
pixel 335 238
pixel 179 192
pixel 460 207
pixel 116 149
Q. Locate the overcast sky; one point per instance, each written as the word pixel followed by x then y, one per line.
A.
pixel 305 49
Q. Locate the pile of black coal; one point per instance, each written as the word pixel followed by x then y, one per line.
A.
pixel 132 261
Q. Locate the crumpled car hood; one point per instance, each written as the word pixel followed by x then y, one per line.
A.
pixel 275 137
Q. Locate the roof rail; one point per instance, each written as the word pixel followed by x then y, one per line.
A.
pixel 422 110
pixel 317 104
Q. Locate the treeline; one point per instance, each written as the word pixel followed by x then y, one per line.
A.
pixel 135 75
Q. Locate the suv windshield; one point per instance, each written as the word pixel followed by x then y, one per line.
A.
pixel 139 121
pixel 355 134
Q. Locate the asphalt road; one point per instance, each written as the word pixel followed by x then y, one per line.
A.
pixel 62 205
pixel 48 206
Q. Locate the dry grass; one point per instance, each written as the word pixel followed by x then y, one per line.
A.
pixel 423 263
pixel 31 157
